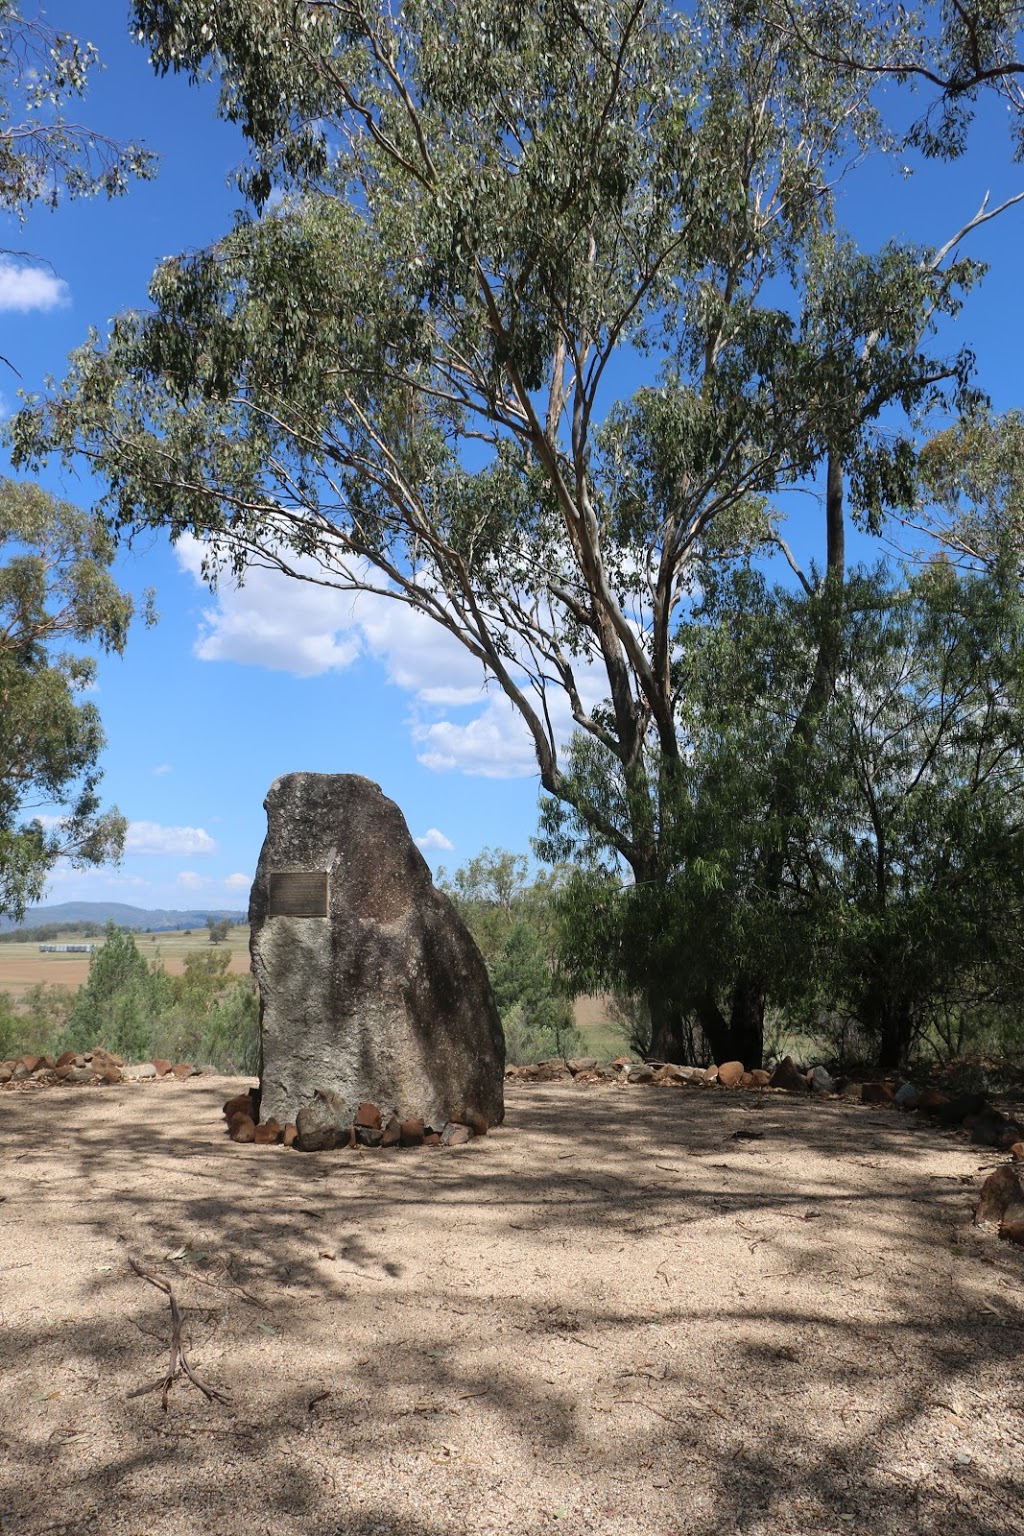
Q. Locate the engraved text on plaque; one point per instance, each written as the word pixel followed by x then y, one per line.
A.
pixel 300 893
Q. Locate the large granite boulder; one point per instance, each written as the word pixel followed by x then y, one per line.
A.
pixel 371 988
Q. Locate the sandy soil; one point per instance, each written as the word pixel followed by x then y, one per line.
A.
pixel 613 1315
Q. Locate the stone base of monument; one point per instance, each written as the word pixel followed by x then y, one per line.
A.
pixel 367 1128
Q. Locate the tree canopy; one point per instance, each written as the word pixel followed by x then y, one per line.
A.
pixel 56 596
pixel 953 49
pixel 55 585
pixel 43 152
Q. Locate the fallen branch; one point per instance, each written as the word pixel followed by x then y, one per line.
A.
pixel 178 1356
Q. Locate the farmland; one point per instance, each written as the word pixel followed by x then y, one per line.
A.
pixel 22 966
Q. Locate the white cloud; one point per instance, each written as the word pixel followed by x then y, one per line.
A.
pixel 64 873
pixel 493 745
pixel 295 626
pixel 160 769
pixel 150 837
pixel 23 289
pixel 238 882
pixel 434 841
pixel 420 656
pixel 274 621
pixel 191 881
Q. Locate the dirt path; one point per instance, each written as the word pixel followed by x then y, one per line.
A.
pixel 612 1315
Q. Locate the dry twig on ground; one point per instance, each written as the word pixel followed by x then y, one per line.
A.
pixel 178 1354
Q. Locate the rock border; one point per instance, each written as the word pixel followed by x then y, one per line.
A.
pixel 321 1132
pixel 91 1069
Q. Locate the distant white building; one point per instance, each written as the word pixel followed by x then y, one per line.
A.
pixel 66 949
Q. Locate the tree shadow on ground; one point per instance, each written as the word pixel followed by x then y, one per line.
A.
pixel 612 1314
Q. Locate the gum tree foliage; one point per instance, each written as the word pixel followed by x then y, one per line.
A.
pixel 900 893
pixel 44 153
pixel 973 493
pixel 512 921
pixel 921 833
pixel 951 50
pixel 54 583
pixel 56 596
pixel 402 377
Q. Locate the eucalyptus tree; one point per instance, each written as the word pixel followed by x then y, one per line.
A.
pixel 405 372
pixel 972 493
pixel 900 891
pixel 56 596
pixel 55 585
pixel 44 153
pixel 921 833
pixel 953 50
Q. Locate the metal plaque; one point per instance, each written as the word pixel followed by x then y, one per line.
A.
pixel 302 893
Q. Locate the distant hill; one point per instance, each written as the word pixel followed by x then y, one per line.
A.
pixel 67 913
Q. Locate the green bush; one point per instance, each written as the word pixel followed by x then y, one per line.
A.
pixel 137 1010
pixel 512 924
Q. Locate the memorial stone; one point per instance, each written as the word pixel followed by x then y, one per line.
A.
pixel 371 989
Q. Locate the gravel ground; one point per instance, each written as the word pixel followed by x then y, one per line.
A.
pixel 629 1310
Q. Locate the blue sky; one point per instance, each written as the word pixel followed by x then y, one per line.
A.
pixel 228 691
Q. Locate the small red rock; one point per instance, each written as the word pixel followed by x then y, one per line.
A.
pixel 1017 1151
pixel 368 1117
pixel 786 1075
pixel 731 1074
pixel 65 1059
pixel 267 1135
pixel 1011 1228
pixel 1000 1191
pixel 162 1067
pixel 456 1135
pixel 931 1099
pixel 30 1063
pixel 288 1135
pixel 710 1074
pixel 412 1133
pixel 182 1069
pixel 241 1104
pixel 431 1139
pixel 392 1133
pixel 475 1120
pixel 759 1078
pixel 110 1075
pixel 241 1128
pixel 876 1093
